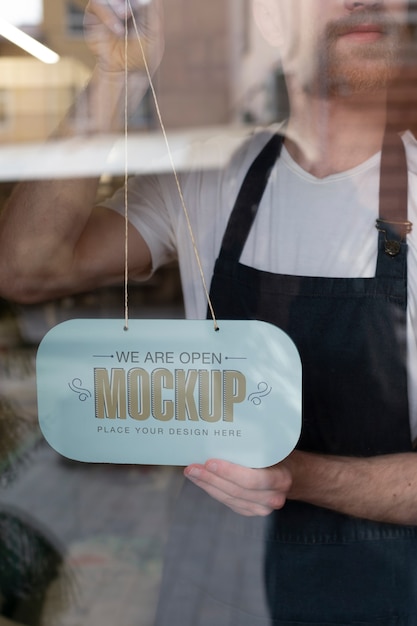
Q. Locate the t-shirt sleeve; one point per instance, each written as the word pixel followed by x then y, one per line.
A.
pixel 149 214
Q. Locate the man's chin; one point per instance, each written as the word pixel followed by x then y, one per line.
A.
pixel 358 82
pixel 372 70
pixel 366 67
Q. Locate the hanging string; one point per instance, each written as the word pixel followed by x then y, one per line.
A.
pixel 174 170
pixel 126 200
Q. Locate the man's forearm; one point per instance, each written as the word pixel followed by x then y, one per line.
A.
pixel 43 221
pixel 382 488
pixel 39 228
pixel 52 240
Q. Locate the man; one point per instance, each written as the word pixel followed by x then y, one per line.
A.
pixel 342 545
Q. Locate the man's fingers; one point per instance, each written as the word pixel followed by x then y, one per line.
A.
pixel 112 13
pixel 257 492
pixel 229 496
pixel 107 18
pixel 119 8
pixel 100 12
pixel 271 478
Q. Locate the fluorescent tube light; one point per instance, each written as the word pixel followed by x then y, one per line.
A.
pixel 24 41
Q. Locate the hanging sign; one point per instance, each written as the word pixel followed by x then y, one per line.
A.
pixel 169 392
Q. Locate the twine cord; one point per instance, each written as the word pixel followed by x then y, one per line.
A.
pixel 171 159
pixel 126 200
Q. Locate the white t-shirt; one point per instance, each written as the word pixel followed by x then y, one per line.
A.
pixel 305 226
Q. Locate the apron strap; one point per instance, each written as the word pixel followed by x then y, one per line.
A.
pixel 392 224
pixel 393 195
pixel 249 198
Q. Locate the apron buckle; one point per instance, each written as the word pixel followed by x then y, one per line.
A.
pixel 393 246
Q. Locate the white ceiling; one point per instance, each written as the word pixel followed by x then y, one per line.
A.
pixel 22 12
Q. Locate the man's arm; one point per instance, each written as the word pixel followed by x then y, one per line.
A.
pixel 380 488
pixel 52 241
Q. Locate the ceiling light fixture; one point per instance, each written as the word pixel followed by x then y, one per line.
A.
pixel 27 43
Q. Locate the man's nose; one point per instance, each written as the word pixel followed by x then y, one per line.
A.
pixel 363 4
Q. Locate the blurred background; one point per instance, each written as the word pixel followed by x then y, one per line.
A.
pixel 83 545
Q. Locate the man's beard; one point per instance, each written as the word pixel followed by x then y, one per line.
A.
pixel 365 67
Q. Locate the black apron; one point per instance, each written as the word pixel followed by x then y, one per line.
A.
pixel 323 567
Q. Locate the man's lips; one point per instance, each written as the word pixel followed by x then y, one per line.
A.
pixel 363 32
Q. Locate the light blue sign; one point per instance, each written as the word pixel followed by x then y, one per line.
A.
pixel 169 392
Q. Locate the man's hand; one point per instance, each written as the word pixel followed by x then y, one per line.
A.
pixel 246 491
pixel 381 488
pixel 104 25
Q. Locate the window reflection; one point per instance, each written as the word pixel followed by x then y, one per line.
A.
pixel 104 545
